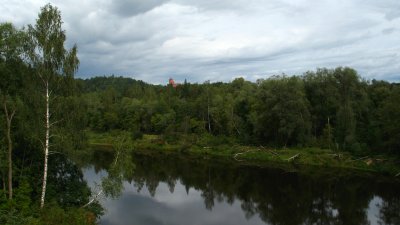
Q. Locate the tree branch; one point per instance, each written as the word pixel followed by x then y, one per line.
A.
pixel 41 142
pixel 55 152
pixel 55 122
pixel 12 114
pixel 93 199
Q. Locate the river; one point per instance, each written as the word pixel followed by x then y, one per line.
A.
pixel 184 190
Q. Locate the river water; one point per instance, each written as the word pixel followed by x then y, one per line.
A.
pixel 183 191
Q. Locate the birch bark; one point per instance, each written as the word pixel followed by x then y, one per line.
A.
pixel 46 146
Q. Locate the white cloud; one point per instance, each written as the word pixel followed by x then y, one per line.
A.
pixel 201 40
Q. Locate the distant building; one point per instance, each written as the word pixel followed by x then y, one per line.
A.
pixel 172 83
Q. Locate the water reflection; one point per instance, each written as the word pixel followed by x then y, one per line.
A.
pixel 66 185
pixel 177 190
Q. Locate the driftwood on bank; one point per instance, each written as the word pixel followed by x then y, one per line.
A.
pixel 241 153
pixel 262 148
pixel 269 150
pixel 293 157
pixel 365 157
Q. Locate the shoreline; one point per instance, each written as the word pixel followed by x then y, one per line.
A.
pixel 309 159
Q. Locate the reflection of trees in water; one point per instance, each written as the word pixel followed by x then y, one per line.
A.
pixel 352 200
pixel 208 193
pixel 66 185
pixel 277 197
pixel 97 157
pixel 119 170
pixel 390 210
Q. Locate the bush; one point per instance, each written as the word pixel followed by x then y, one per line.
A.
pixel 211 140
pixel 70 216
pixel 136 134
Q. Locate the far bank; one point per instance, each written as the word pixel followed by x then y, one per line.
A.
pixel 308 159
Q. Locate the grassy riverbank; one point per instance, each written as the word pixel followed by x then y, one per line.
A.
pixel 255 155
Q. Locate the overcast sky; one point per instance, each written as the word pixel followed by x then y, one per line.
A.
pixel 219 40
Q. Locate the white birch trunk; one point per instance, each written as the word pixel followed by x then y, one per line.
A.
pixel 46 147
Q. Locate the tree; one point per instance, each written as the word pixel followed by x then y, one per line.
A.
pixel 389 115
pixel 52 63
pixel 323 95
pixel 352 103
pixel 281 113
pixel 11 49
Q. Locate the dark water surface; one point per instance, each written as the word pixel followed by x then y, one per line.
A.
pixel 178 190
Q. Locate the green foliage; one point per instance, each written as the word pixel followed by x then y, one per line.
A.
pixel 161 121
pixel 47 52
pixel 12 217
pixel 28 60
pixel 136 134
pixel 282 115
pixel 390 116
pixel 208 140
pixel 327 140
pixel 23 196
pixel 71 216
pixel 279 111
pixel 121 168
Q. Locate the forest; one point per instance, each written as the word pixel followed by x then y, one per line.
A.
pixel 326 108
pixel 46 114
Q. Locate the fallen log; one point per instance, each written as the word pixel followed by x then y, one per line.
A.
pixel 269 150
pixel 241 153
pixel 365 157
pixel 293 157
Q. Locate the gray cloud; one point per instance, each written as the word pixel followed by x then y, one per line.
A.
pixel 219 40
pixel 130 8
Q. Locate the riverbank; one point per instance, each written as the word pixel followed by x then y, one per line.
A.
pixel 288 158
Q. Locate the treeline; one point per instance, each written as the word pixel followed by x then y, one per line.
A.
pixel 327 108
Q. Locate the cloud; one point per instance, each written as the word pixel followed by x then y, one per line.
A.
pixel 219 40
pixel 128 8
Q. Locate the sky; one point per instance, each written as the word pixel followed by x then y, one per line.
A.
pixel 199 40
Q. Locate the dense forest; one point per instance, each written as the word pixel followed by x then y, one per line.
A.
pixel 46 111
pixel 327 108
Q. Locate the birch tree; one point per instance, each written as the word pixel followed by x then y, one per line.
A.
pixel 52 62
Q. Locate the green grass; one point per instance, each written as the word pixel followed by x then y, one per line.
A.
pixel 260 156
pixel 101 139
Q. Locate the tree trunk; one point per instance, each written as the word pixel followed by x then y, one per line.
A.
pixel 4 188
pixel 10 148
pixel 10 188
pixel 46 147
pixel 233 121
pixel 329 134
pixel 208 112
